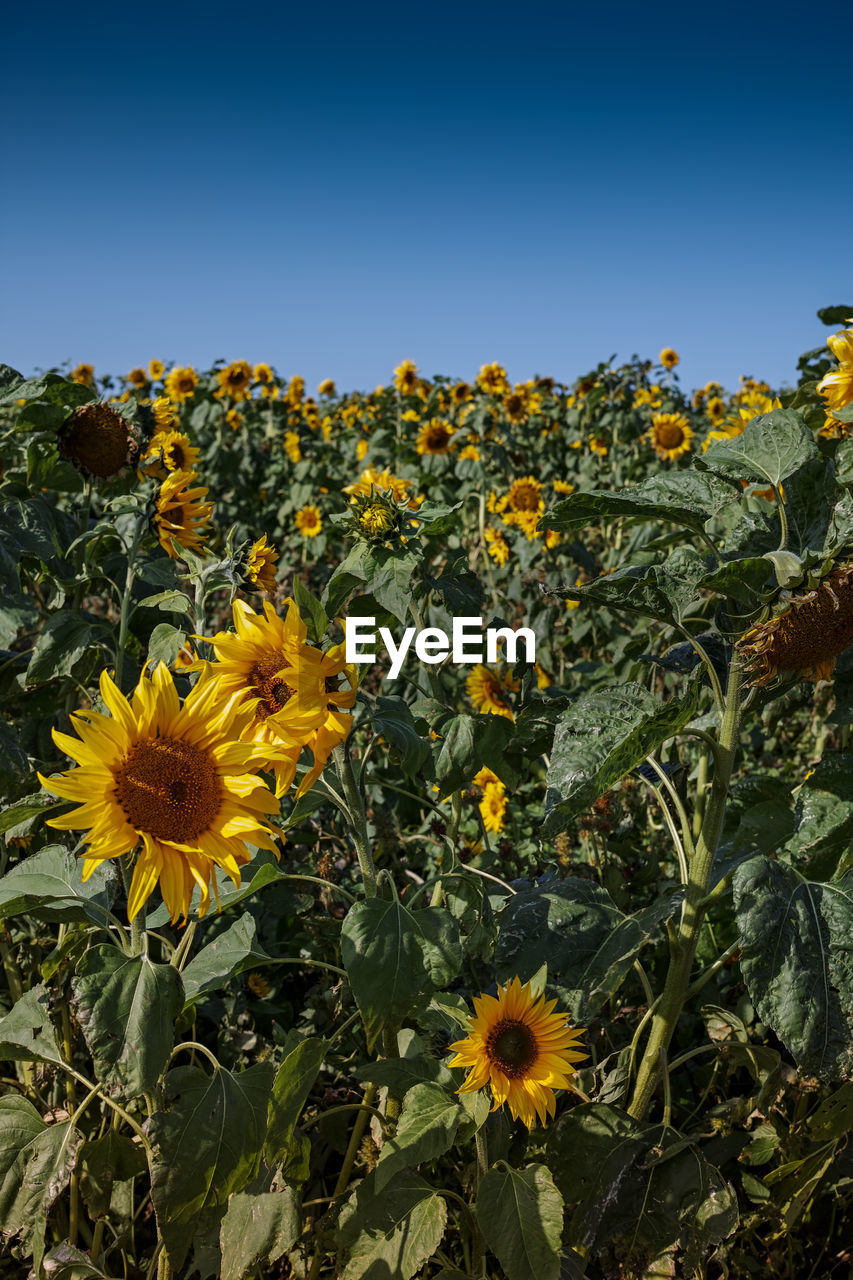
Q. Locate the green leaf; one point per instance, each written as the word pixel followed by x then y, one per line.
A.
pixel 426 1129
pixel 66 638
pixel 460 590
pixel 772 447
pixel 599 739
pixel 233 951
pixel 293 1083
pixel 51 387
pixel 835 315
pixel 103 1162
pixel 520 1213
pixel 636 1194
pixel 797 961
pixel 126 1007
pixel 22 810
pixel 823 818
pixel 575 928
pixel 834 1117
pixel 740 579
pixel 666 592
pixel 65 1262
pixel 467 744
pixel 167 601
pixel 49 886
pixel 208 1144
pixel 689 498
pixel 401 1074
pixel 36 1162
pixel 165 644
pixel 389 1235
pixel 26 1032
pixel 311 611
pixel 257 1230
pixel 392 720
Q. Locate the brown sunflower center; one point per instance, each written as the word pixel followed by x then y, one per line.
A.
pixel 669 435
pixel 437 438
pixel 525 497
pixel 511 1046
pixel 271 687
pixel 96 440
pixel 169 788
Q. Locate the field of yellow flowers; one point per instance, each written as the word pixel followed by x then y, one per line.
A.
pixel 396 960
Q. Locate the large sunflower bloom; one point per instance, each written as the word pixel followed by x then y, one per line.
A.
pixel 174 779
pixel 518 1046
pixel 182 513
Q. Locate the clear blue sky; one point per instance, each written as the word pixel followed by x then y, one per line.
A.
pixel 338 188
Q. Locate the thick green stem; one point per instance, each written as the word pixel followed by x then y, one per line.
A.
pixel 675 989
pixel 393 1103
pixel 126 608
pixel 358 820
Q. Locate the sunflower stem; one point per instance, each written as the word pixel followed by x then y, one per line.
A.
pixel 358 819
pixel 478 1244
pixel 677 983
pixel 126 609
pixel 393 1103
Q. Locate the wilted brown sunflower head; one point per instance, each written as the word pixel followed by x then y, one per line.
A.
pixel 98 441
pixel 806 637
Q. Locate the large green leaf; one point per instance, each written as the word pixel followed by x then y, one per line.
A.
pixel 599 739
pixel 426 1129
pixel 291 1087
pixel 49 886
pixel 126 1007
pixel 637 1195
pixel 66 638
pixel 797 960
pixel 26 1032
pixel 392 719
pixel 823 818
pixel 467 744
pixel 36 1162
pixel 575 928
pixel 520 1213
pixel 772 447
pixel 232 952
pixel 667 592
pixel 257 1230
pixel 104 1161
pixel 389 1235
pixel 685 497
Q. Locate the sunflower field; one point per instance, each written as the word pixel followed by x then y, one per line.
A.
pixel 536 966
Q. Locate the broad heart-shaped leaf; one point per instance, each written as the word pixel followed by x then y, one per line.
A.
pixel 797 961
pixel 684 497
pixel 392 719
pixel 823 819
pixel 740 579
pixel 232 952
pixel 66 638
pixel 126 1007
pixel 311 611
pixel 772 447
pixel 26 1032
pixel 388 574
pixel 468 743
pixel 49 886
pixel 574 927
pixel 426 1129
pixel 103 1162
pixel 393 956
pixel 599 739
pixel 36 1162
pixel 257 1230
pixel 635 1193
pixel 389 1235
pixel 520 1213
pixel 291 1087
pixel 208 1144
pixel 666 592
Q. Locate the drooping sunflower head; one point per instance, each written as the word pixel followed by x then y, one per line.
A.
pixel 488 692
pixel 308 521
pixel 176 781
pixel 669 358
pixel 521 1049
pixel 806 635
pixel 182 513
pixel 435 437
pixel 181 383
pixel 260 565
pixel 98 441
pixel 670 435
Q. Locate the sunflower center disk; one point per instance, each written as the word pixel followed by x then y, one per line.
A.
pixel 271 687
pixel 512 1047
pixel 169 788
pixel 670 435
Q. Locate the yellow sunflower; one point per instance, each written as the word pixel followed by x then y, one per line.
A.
pixel 97 440
pixel 715 409
pixel 488 692
pixel 813 628
pixel 382 481
pixel 524 494
pixel 496 545
pixel 670 435
pixel 137 378
pixel 435 437
pixel 406 378
pixel 308 521
pixel 181 383
pixel 176 780
pixel 263 373
pixel 493 380
pixel 235 379
pixel 181 513
pixel 84 374
pixel 516 404
pixel 493 804
pixel 375 519
pixel 260 565
pixel 522 1049
pixel 165 413
pixel 460 392
pixel 326 387
pixel 291 446
pixel 155 370
pixel 295 391
pixel 837 386
pixel 669 358
pixel 169 451
pixel 234 418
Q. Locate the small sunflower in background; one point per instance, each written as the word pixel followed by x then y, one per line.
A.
pixel 175 780
pixel 291 446
pixel 488 691
pixel 715 409
pixel 670 435
pixel 406 378
pixel 181 383
pixel 84 374
pixel 521 1049
pixel 98 441
pixel 493 380
pixel 805 633
pixel 263 373
pixel 260 565
pixel 497 546
pixel 836 387
pixel 138 378
pixel 156 369
pixel 308 521
pixel 169 451
pixel 235 380
pixel 326 387
pixel 492 806
pixel 435 437
pixel 182 514
pixel 669 358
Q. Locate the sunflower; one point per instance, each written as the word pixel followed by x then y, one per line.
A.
pixel 807 636
pixel 435 437
pixel 493 380
pixel 98 441
pixel 375 518
pixel 296 391
pixel 137 378
pixel 155 370
pixel 516 404
pixel 175 450
pixel 670 435
pixel 598 446
pixel 174 779
pixel 470 453
pixel 291 446
pixel 488 692
pixel 234 380
pixel 234 418
pixel 308 521
pixel 496 545
pixel 493 804
pixel 669 358
pixel 460 392
pixel 260 565
pixel 84 374
pixel 165 413
pixel 181 513
pixel 837 386
pixel 326 387
pixel 181 383
pixel 290 686
pixel 406 378
pixel 524 494
pixel 715 409
pixel 521 1048
pixel 263 373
